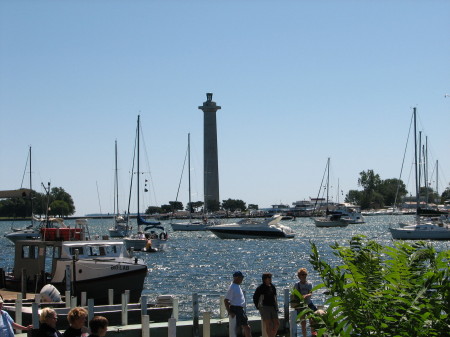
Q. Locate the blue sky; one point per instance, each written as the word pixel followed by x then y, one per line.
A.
pixel 298 82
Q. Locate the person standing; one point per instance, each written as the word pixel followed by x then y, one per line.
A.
pixel 304 287
pixel 77 318
pixel 98 326
pixel 235 303
pixel 47 328
pixel 265 300
pixel 7 324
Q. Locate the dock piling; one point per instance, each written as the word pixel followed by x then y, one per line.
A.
pixel 83 299
pixel 110 296
pixel 124 309
pixel 232 327
pixel 222 306
pixel 172 328
pixel 35 315
pixel 287 296
pixel 90 309
pixel 207 324
pixel 145 325
pixel 175 309
pixel 293 323
pixel 143 305
pixel 195 328
pixel 19 310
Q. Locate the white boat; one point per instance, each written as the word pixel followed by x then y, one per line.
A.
pixel 34 233
pixel 94 265
pixel 120 227
pixel 142 240
pixel 422 231
pixel 253 229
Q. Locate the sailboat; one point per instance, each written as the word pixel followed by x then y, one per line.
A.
pixel 190 225
pixel 331 219
pixel 120 227
pixel 420 230
pixel 144 241
pixel 30 232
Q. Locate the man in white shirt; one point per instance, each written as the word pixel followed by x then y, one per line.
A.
pixel 235 303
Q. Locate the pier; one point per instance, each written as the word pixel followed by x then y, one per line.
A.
pixel 201 325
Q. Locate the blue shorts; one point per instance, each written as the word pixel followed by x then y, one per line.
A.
pixel 241 317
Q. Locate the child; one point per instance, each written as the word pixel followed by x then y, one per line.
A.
pixel 98 326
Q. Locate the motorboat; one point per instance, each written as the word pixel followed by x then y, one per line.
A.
pixel 191 226
pixel 91 266
pixel 254 229
pixel 422 231
pixel 45 227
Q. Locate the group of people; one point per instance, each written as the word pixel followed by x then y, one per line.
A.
pixel 47 324
pixel 265 300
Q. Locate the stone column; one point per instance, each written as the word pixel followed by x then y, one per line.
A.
pixel 210 158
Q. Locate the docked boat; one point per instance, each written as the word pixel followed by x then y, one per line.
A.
pixel 422 231
pixel 253 229
pixel 44 228
pixel 94 267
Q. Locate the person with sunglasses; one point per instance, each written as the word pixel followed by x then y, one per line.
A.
pixel 304 287
pixel 265 300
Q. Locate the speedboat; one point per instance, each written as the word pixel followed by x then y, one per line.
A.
pixel 422 231
pixel 253 229
pixel 92 266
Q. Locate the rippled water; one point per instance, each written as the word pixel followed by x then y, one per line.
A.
pixel 199 262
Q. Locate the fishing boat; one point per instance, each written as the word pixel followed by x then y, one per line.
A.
pixel 153 230
pixel 190 225
pixel 253 229
pixel 79 265
pixel 120 227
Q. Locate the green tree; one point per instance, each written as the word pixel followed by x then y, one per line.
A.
pixel 393 190
pixel 153 210
pixel 59 208
pixel 176 205
pixel 195 206
pixel 427 193
pixel 445 195
pixel 233 205
pixel 212 206
pixel 166 208
pixel 354 197
pixel 58 193
pixel 373 290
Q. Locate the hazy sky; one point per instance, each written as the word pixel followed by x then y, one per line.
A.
pixel 298 82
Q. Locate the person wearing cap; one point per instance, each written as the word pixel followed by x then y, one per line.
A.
pixel 265 300
pixel 235 303
pixel 7 324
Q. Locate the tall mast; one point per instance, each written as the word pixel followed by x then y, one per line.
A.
pixel 138 171
pixel 31 189
pixel 328 178
pixel 189 174
pixel 415 159
pixel 116 185
pixel 437 177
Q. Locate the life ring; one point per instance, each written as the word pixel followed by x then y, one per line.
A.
pixel 163 236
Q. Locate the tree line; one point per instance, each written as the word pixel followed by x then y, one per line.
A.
pixel 57 202
pixel 377 193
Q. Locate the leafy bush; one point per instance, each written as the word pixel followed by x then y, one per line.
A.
pixel 384 291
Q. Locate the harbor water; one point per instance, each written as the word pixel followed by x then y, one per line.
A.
pixel 199 262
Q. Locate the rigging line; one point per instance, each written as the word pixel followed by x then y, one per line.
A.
pixel 403 161
pixel 321 184
pixel 148 165
pixel 182 171
pixel 25 170
pixel 132 175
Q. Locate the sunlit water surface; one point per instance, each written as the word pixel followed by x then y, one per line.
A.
pixel 199 262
